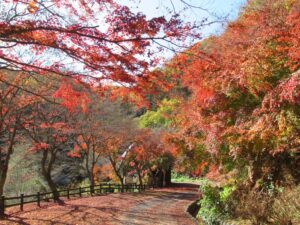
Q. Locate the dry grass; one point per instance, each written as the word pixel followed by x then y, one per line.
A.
pixel 286 208
pixel 260 208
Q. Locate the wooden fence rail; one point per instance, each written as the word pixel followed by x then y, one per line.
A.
pixel 21 200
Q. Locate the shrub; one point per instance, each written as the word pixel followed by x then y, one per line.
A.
pixel 177 177
pixel 227 191
pixel 213 206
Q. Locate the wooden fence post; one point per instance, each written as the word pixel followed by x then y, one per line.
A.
pixel 110 189
pixel 2 207
pixel 91 189
pixel 22 202
pixel 38 199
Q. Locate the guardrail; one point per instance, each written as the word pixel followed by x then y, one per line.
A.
pixel 21 200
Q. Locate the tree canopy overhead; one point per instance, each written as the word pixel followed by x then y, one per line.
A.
pixel 228 106
pixel 99 39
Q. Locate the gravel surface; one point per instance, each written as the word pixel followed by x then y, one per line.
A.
pixel 165 206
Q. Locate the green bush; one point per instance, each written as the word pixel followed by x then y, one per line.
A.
pixel 213 205
pixel 177 177
pixel 226 192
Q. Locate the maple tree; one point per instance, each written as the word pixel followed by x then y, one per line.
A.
pixel 71 43
pixel 145 154
pixel 11 106
pixel 18 93
pixel 82 44
pixel 92 130
pixel 47 126
pixel 104 131
pixel 118 146
pixel 244 103
pixel 44 121
pixel 228 102
pixel 103 173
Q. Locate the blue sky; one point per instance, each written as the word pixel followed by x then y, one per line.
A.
pixel 213 10
pixel 153 8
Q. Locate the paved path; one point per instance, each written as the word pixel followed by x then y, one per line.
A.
pixel 159 207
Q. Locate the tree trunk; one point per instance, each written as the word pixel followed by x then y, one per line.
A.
pixel 4 165
pixel 140 177
pixel 46 171
pixel 152 175
pixel 52 186
pixel 92 178
pixel 255 173
pixel 89 170
pixel 163 178
pixel 117 172
pixel 92 170
pixel 140 180
pixel 121 181
pixel 168 176
pixel 3 178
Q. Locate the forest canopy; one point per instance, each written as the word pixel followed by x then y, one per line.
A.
pixel 93 89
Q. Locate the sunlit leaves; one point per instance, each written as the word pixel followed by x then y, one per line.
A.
pixel 245 86
pixel 71 99
pixel 162 117
pixel 71 39
pixel 32 6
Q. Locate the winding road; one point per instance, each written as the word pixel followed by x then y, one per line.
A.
pixel 165 206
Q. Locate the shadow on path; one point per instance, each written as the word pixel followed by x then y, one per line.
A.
pixel 165 206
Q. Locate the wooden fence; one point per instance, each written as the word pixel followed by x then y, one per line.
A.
pixel 21 200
